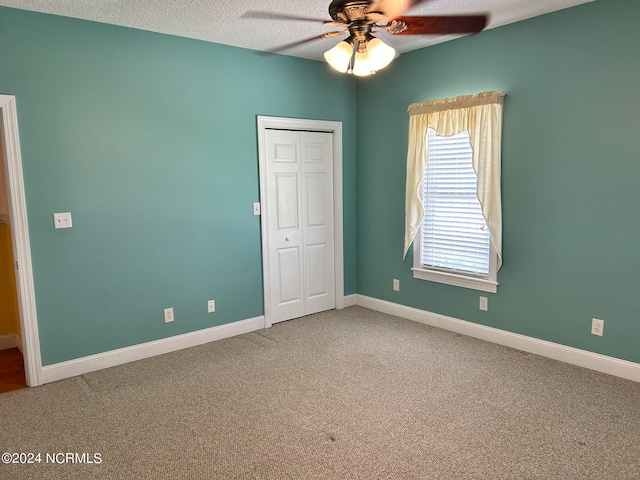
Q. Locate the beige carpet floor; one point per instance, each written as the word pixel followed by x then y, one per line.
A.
pixel 338 395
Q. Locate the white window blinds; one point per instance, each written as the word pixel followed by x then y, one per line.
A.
pixel 455 237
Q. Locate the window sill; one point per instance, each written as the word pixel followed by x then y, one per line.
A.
pixel 456 280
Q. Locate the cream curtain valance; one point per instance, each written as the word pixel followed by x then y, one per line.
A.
pixel 481 116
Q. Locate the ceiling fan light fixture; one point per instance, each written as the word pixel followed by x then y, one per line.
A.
pixel 339 57
pixel 370 57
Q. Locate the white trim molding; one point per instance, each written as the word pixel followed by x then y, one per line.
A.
pixel 575 356
pixel 464 281
pixel 20 238
pixel 92 363
pixel 350 300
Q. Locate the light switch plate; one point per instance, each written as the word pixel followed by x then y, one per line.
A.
pixel 256 208
pixel 62 220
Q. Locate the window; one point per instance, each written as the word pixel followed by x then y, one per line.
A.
pixel 453 203
pixel 454 240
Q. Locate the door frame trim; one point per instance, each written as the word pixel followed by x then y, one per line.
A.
pixel 20 240
pixel 300 124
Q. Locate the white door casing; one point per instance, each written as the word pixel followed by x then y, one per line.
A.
pixel 301 196
pixel 20 240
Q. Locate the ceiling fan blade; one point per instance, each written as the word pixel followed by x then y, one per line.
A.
pixel 264 15
pixel 297 43
pixel 392 8
pixel 443 25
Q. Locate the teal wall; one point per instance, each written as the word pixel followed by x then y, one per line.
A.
pixel 150 141
pixel 570 177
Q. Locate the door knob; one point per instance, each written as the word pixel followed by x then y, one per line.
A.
pixel 287 238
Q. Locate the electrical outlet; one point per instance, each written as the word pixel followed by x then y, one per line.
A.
pixel 597 327
pixel 211 306
pixel 168 315
pixel 396 284
pixel 484 304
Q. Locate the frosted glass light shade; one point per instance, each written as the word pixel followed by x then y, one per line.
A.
pixel 362 65
pixel 339 56
pixel 377 56
pixel 380 54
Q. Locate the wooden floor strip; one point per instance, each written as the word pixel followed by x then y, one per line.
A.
pixel 11 370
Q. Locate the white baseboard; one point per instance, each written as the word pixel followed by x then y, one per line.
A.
pixel 11 340
pixel 349 300
pixel 79 366
pixel 574 356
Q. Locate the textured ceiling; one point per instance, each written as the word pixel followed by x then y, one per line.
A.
pixel 222 21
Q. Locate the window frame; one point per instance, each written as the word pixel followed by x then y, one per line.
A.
pixel 486 284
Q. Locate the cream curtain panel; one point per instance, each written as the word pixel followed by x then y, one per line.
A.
pixel 481 116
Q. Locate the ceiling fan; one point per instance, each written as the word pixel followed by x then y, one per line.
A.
pixel 362 53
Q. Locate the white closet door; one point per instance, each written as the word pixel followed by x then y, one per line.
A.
pixel 300 222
